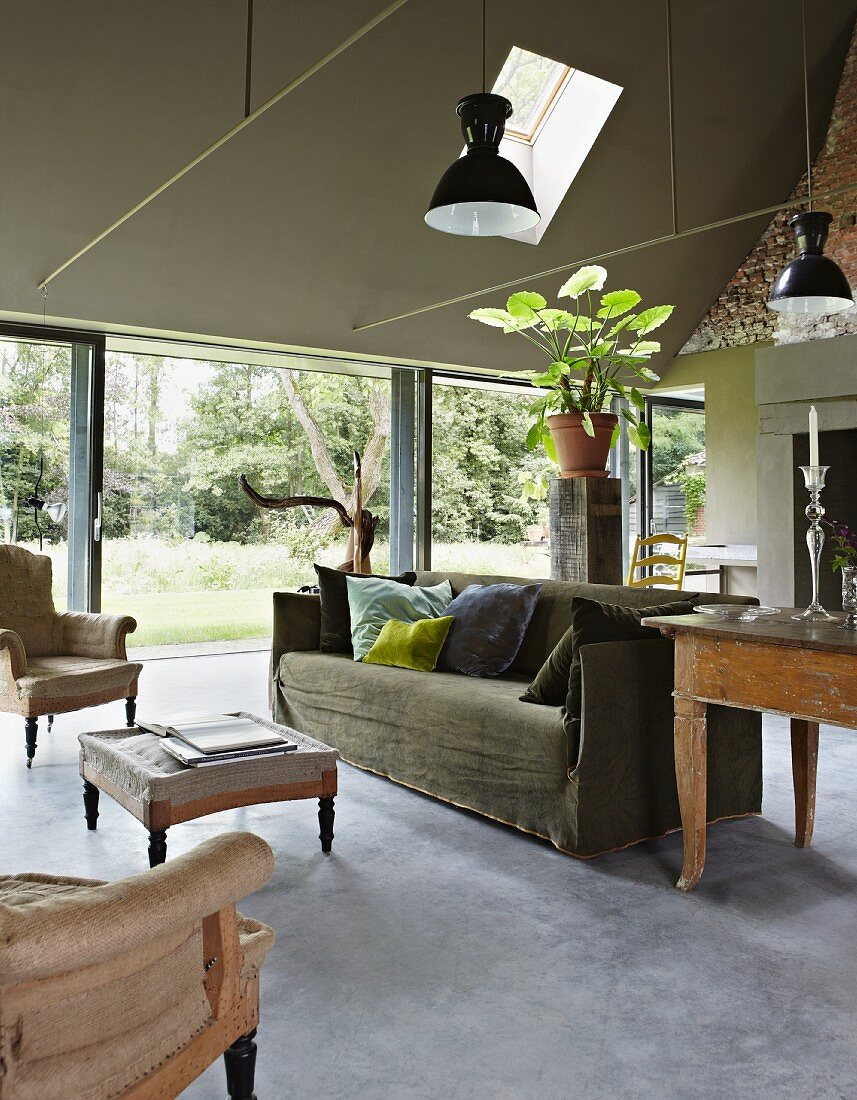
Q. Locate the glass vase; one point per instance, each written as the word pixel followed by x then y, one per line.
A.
pixel 849 596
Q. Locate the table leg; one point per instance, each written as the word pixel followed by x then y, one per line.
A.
pixel 691 739
pixel 325 823
pixel 804 768
pixel 90 804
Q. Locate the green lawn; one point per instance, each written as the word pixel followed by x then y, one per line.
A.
pixel 196 591
pixel 176 617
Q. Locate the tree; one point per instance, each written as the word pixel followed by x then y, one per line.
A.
pixel 372 454
pixel 34 424
pixel 291 432
pixel 480 445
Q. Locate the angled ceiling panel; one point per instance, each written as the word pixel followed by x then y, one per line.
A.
pixel 310 221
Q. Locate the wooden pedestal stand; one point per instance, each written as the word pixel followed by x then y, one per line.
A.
pixel 586 529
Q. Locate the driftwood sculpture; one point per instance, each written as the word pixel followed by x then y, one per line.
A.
pixel 361 524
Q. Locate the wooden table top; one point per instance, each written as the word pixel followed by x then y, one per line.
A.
pixel 779 630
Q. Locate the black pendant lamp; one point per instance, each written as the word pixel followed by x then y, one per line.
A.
pixel 812 283
pixel 482 194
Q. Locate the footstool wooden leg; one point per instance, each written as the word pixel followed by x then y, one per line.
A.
pixel 157 847
pixel 325 823
pixel 240 1061
pixel 130 710
pixel 31 728
pixel 90 804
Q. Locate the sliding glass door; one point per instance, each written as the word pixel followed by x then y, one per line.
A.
pixel 673 469
pixel 185 551
pixel 50 396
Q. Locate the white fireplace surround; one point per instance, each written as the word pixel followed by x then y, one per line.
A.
pixel 789 379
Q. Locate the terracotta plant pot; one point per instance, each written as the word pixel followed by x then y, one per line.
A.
pixel 579 454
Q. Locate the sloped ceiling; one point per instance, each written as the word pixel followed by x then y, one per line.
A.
pixel 309 223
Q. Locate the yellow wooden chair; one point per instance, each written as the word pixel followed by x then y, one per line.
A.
pixel 672 565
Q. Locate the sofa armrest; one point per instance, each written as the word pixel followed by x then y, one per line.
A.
pixel 624 770
pixel 297 625
pixel 86 635
pixel 13 659
pixel 626 699
pixel 101 921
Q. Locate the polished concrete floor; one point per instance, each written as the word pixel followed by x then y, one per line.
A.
pixel 437 955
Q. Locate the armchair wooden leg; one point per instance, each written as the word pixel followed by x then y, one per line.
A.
pixel 325 821
pixel 90 804
pixel 50 722
pixel 157 847
pixel 240 1061
pixel 130 710
pixel 31 727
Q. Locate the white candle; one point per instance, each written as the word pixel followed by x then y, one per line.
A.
pixel 813 436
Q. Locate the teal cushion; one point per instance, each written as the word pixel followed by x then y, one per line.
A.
pixel 373 602
pixel 410 645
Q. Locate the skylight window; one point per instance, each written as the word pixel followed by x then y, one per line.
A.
pixel 531 83
pixel 558 113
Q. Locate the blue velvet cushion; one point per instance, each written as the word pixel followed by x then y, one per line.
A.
pixel 373 601
pixel 489 623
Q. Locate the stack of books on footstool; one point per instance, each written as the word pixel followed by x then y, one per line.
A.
pixel 136 769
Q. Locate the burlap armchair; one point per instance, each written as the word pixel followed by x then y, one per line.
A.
pixel 54 662
pixel 133 988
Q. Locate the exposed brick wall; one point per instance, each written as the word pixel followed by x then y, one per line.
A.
pixel 740 315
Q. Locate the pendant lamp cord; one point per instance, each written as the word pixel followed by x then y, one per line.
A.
pixel 806 104
pixel 671 113
pixel 248 61
pixel 483 46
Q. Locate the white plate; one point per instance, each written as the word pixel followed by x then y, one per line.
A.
pixel 737 612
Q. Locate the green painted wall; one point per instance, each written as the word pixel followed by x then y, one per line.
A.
pixel 731 430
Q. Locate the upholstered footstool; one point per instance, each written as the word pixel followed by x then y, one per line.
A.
pixel 134 768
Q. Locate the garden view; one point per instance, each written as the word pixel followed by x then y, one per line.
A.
pixel 184 550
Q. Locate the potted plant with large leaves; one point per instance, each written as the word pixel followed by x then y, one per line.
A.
pixel 596 348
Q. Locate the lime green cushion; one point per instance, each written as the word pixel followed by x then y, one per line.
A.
pixel 410 645
pixel 373 601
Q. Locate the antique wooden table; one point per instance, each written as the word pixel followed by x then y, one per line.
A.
pixel 805 671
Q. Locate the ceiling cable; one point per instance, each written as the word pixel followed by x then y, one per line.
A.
pixel 231 133
pixel 664 239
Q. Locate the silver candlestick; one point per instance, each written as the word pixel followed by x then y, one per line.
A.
pixel 813 477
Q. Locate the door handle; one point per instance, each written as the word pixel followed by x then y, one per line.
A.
pixel 96 526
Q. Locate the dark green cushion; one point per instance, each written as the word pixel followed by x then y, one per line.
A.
pixel 558 680
pixel 410 645
pixel 335 613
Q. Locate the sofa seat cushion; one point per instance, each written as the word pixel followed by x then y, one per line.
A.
pixel 74 677
pixel 467 740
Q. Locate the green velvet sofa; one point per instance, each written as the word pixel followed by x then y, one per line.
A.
pixel 473 743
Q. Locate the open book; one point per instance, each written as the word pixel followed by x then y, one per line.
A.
pixel 220 733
